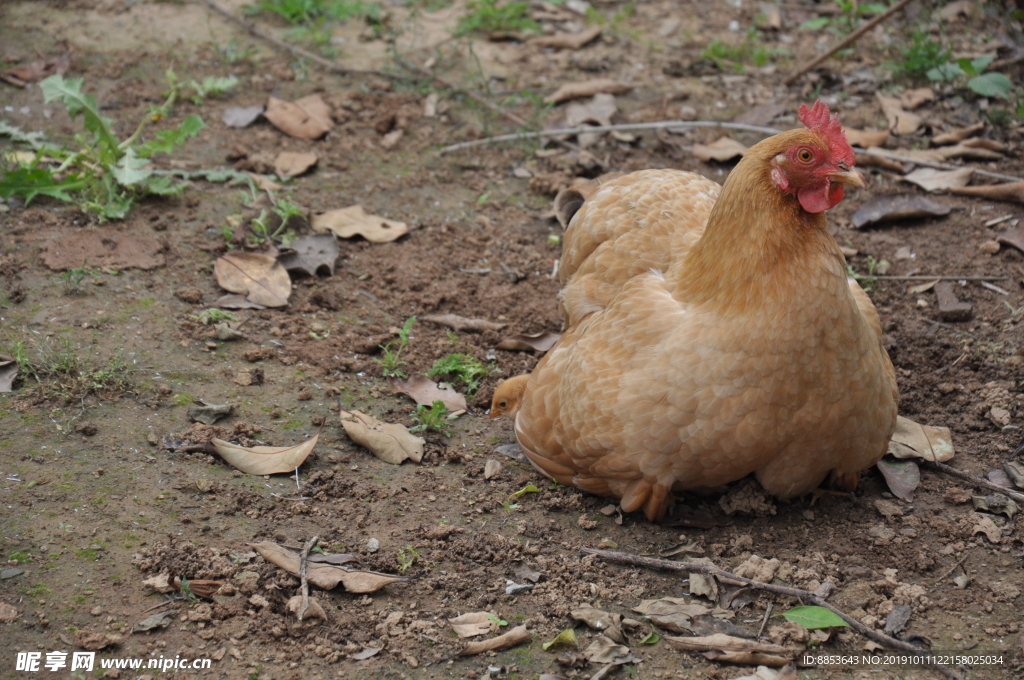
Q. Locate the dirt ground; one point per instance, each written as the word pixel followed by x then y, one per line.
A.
pixel 103 488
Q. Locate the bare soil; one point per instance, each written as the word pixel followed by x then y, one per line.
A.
pixel 93 502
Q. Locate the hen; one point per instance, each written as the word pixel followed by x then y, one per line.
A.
pixel 711 333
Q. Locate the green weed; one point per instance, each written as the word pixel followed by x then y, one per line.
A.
pixel 407 557
pixel 213 315
pixel 73 278
pixel 920 57
pixel 103 175
pixel 462 367
pixel 21 556
pixel 734 57
pixel 232 53
pixel 261 230
pixel 487 16
pixel 846 22
pixel 60 370
pixel 432 419
pixel 390 360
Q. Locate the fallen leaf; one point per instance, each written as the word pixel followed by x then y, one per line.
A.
pixel 865 159
pixel 669 606
pixel 161 620
pixel 512 450
pixel 390 442
pixel 866 138
pixel 567 41
pixel 208 414
pixel 596 619
pixel 35 71
pixel 764 673
pixel 310 254
pixel 509 639
pixel 461 323
pixel 537 342
pixel 605 670
pixel 995 503
pixel 204 588
pixel 911 440
pixel 524 572
pixel 984 525
pixel 567 638
pixel 604 650
pixel 981 143
pixel 103 248
pixel 241 116
pixel 265 460
pixel 727 643
pixel 391 139
pixel 911 99
pixel 900 122
pixel 365 654
pixel 931 179
pixel 264 183
pixel 161 583
pixel 492 468
pixel 598 111
pixel 306 118
pixel 957 9
pixel 896 207
pixel 348 222
pixel 425 392
pixel 704 585
pixel 260 277
pixel 814 617
pixel 313 610
pixel 721 150
pixel 292 164
pixel 922 288
pixel 326 576
pixel 902 476
pixel 333 558
pixel 474 623
pixel 587 88
pixel 8 372
pixel 1011 192
pixel 957 135
pixel 1015 471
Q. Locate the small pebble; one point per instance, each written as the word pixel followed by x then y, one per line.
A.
pixel 373 545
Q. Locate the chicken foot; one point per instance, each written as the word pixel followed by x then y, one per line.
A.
pixel 802 595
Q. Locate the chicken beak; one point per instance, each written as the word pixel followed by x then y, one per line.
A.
pixel 849 176
pixel 493 414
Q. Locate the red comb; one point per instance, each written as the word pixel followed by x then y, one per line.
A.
pixel 819 119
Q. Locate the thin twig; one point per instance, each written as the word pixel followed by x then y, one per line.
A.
pixel 849 40
pixel 625 127
pixel 303 564
pixel 938 166
pixel 952 569
pixel 925 277
pixel 764 621
pixel 976 481
pixel 799 593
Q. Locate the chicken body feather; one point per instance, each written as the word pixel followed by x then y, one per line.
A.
pixel 711 333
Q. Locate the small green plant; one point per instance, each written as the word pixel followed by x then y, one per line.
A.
pixel 993 84
pixel 232 53
pixel 464 368
pixel 103 174
pixel 867 281
pixel 21 556
pixel 186 592
pixel 734 57
pixel 390 360
pixel 920 57
pixel 487 16
pixel 497 620
pixel 59 369
pixel 73 278
pixel 407 557
pixel 213 315
pixel 846 22
pixel 261 230
pixel 209 87
pixel 433 419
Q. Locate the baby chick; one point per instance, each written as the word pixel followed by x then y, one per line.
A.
pixel 509 396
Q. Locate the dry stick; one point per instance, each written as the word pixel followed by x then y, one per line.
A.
pixel 925 277
pixel 937 165
pixel 303 564
pixel 610 128
pixel 337 68
pixel 850 39
pixel 976 481
pixel 960 563
pixel 798 593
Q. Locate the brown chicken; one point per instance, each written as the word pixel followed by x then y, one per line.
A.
pixel 711 333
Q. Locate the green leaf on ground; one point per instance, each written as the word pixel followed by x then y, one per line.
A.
pixel 31 182
pixel 813 618
pixel 991 85
pixel 70 92
pixel 168 140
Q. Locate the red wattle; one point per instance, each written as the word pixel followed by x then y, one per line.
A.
pixel 820 197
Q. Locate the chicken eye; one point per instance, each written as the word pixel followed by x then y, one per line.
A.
pixel 805 155
pixel 502 404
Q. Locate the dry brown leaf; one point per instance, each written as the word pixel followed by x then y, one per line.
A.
pixel 509 639
pixel 265 460
pixel 721 150
pixel 313 611
pixel 666 606
pixel 866 138
pixel 8 372
pixel 567 41
pixel 291 164
pixel 390 442
pixel 474 623
pixel 264 183
pixel 306 118
pixel 983 524
pixel 204 588
pixel 161 583
pixel 982 143
pixel 751 658
pixel 895 207
pixel 900 122
pixel 911 99
pixel 310 254
pixel 461 323
pixel 869 160
pixel 957 135
pixel 598 111
pixel 348 222
pixel 425 391
pixel 911 440
pixel 259 277
pixel 587 88
pixel 957 9
pixel 603 650
pixel 1011 192
pixel 525 342
pixel 325 576
pixel 1013 237
pixel 973 150
pixel 365 654
pixel 931 179
pixel 35 71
